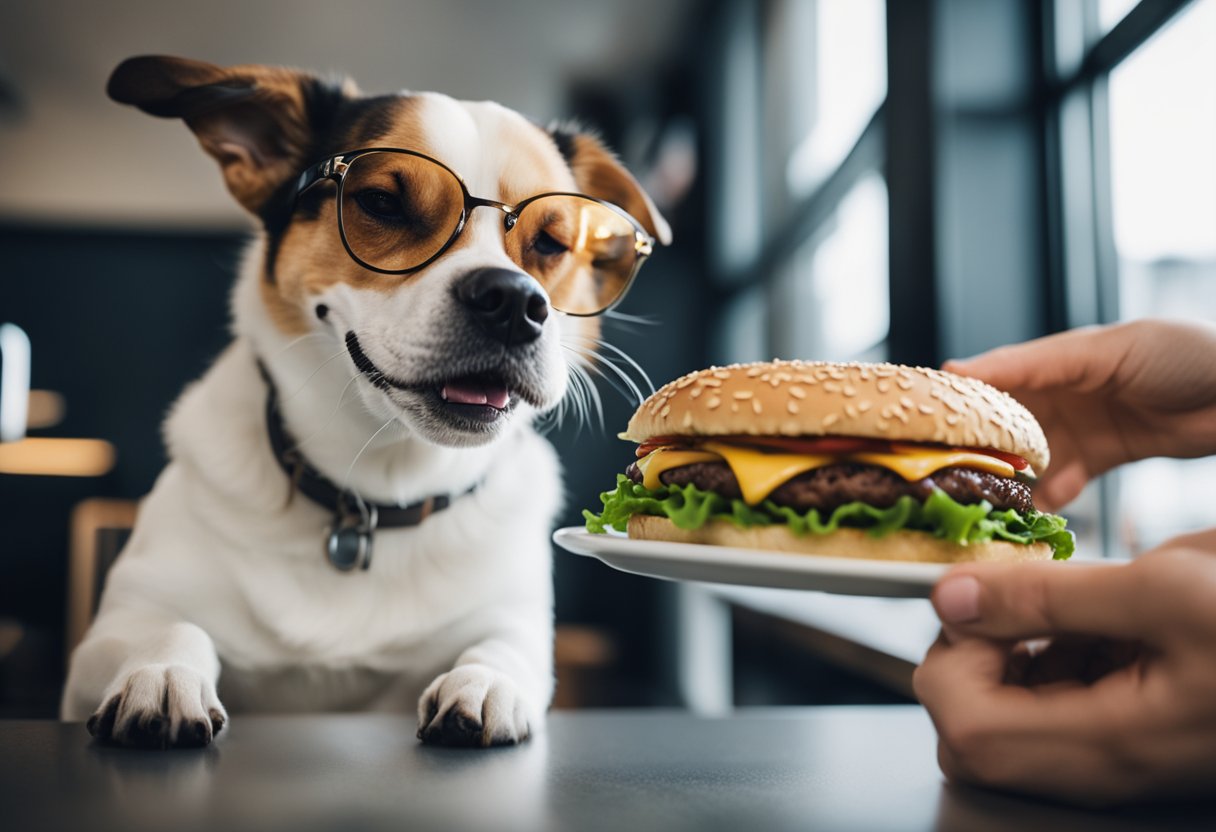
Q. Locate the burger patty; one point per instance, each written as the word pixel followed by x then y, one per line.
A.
pixel 834 485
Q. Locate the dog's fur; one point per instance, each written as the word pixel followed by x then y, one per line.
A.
pixel 225 568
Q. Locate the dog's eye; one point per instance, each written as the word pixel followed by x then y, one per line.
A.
pixel 546 245
pixel 381 204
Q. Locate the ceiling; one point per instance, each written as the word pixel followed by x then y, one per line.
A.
pixel 72 156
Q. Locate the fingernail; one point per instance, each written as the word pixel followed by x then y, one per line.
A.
pixel 958 600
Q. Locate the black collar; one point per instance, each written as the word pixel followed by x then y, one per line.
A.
pixel 355 519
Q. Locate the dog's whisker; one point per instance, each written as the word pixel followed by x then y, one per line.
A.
pixel 366 445
pixel 297 341
pixel 313 375
pixel 330 419
pixel 601 344
pixel 632 393
pixel 590 397
pixel 625 319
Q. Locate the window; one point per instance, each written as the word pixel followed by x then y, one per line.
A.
pixel 840 274
pixel 812 173
pixel 1162 104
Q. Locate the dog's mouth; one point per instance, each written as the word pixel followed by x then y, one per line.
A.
pixel 465 397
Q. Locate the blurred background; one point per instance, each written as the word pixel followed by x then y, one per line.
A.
pixel 847 179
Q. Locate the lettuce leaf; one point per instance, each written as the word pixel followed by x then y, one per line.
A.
pixel 688 507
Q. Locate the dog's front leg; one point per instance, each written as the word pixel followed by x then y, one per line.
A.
pixel 144 679
pixel 495 694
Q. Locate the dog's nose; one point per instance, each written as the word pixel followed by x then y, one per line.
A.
pixel 507 304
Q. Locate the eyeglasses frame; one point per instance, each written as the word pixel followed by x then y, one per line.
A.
pixel 333 168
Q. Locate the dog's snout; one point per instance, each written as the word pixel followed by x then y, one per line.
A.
pixel 509 305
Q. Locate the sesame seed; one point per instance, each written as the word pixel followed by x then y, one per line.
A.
pixel 792 407
pixel 883 426
pixel 754 371
pixel 863 406
pixel 666 409
pixel 797 392
pixel 756 408
pixel 696 391
pixel 850 411
pixel 734 407
pixel 850 390
pixel 952 419
pixel 905 384
pixel 831 419
pixel 687 420
pixel 831 387
pixel 904 401
pixel 711 382
pixel 901 416
pixel 925 409
pixel 743 394
pixel 883 385
pixel 713 402
pixel 721 374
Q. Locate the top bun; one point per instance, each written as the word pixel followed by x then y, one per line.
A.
pixel 818 398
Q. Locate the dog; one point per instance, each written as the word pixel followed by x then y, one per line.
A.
pixel 357 507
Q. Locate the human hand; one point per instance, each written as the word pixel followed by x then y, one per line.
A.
pixel 1121 705
pixel 1109 395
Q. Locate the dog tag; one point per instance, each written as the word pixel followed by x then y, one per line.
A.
pixel 349 547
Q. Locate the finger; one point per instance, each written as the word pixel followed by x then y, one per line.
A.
pixel 1050 740
pixel 1060 485
pixel 1203 541
pixel 1070 360
pixel 1078 660
pixel 1032 600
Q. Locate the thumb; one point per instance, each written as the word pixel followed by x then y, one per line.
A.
pixel 1034 600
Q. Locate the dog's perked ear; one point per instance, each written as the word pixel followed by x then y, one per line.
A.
pixel 599 174
pixel 254 120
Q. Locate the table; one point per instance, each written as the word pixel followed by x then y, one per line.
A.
pixel 837 768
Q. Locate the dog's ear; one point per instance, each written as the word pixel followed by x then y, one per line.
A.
pixel 599 174
pixel 254 120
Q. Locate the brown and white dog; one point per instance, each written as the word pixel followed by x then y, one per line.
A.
pixel 449 364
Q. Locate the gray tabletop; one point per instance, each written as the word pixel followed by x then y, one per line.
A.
pixel 863 768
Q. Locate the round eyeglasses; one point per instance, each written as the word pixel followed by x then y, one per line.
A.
pixel 399 210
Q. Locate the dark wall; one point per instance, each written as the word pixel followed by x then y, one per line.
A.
pixel 118 323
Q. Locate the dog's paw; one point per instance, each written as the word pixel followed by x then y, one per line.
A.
pixel 160 706
pixel 473 705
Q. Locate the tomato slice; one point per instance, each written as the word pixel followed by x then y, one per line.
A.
pixel 814 444
pixel 1016 461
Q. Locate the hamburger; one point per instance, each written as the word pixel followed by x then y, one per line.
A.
pixel 848 460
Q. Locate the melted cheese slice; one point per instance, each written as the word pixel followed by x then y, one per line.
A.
pixel 917 464
pixel 760 473
pixel 656 462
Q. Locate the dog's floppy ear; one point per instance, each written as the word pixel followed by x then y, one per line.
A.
pixel 599 174
pixel 253 120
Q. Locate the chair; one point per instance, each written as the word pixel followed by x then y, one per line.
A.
pixel 99 529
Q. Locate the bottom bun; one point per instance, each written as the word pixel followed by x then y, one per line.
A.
pixel 918 547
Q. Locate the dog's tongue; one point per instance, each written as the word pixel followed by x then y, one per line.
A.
pixel 472 391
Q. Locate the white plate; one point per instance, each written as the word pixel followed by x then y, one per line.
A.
pixel 753 567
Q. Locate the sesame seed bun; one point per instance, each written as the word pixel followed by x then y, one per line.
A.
pixel 815 398
pixel 907 546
